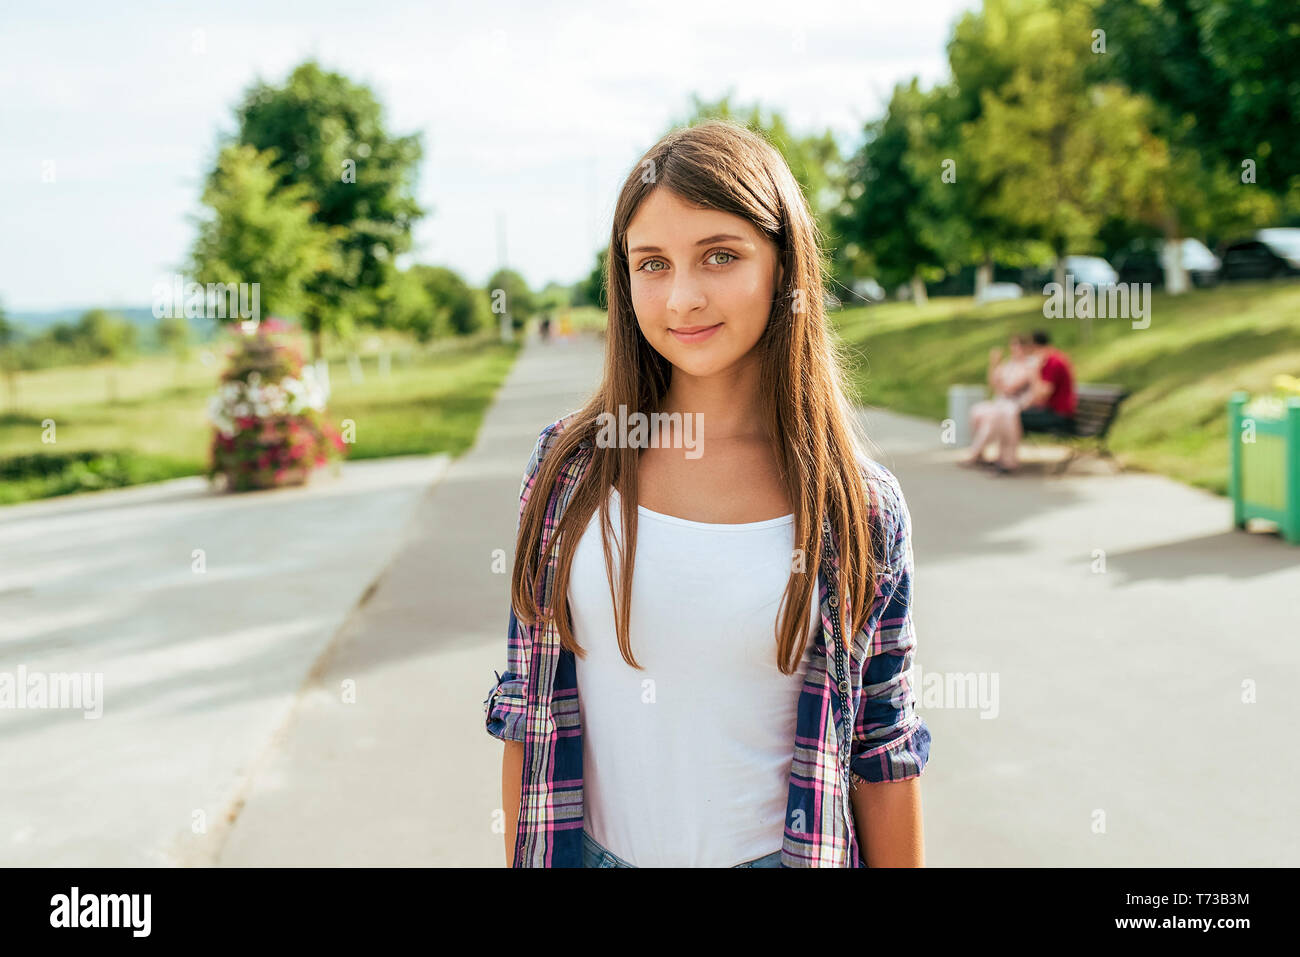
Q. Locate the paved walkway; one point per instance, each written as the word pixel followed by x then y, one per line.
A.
pixel 1120 616
pixel 199 667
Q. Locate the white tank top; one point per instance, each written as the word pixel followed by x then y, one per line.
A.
pixel 687 763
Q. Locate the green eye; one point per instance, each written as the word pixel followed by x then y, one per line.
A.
pixel 722 252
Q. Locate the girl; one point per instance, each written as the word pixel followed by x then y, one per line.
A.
pixel 744 698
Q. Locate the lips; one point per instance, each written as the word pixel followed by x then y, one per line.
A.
pixel 695 333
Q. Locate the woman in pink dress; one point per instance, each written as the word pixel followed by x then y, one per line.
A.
pixel 1010 380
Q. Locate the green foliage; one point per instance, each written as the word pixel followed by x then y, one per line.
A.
pixel 433 302
pixel 814 160
pixel 591 291
pixel 887 199
pixel 1228 66
pixel 174 335
pixel 330 136
pixel 105 335
pixel 260 231
pixel 508 291
pixel 46 474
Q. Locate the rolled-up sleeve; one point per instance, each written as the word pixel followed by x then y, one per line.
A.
pixel 506 706
pixel 891 742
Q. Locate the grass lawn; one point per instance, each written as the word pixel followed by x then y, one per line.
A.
pixel 1199 348
pixel 432 401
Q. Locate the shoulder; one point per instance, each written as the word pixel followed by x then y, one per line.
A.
pixel 890 520
pixel 546 440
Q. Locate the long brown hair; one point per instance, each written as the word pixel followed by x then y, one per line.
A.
pixel 808 419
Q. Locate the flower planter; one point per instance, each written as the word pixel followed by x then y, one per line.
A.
pixel 270 427
pixel 1264 464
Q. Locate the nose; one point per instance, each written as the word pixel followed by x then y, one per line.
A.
pixel 685 296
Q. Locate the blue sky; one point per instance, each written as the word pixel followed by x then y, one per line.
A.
pixel 531 111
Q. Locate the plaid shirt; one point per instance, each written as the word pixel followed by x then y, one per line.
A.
pixel 877 737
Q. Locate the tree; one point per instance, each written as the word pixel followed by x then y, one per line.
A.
pixel 1056 153
pixel 509 292
pixel 260 231
pixel 1227 65
pixel 412 310
pixel 330 135
pixel 886 200
pixel 983 54
pixel 591 291
pixel 433 302
pixel 9 356
pixel 174 337
pixel 814 160
pixel 1175 190
pixel 106 335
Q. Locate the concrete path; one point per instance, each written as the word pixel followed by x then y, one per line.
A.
pixel 407 775
pixel 202 614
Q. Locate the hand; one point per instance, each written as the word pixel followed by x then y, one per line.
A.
pixel 995 355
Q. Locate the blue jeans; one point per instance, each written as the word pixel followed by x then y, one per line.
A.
pixel 594 855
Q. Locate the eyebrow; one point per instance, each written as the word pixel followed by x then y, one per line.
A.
pixel 708 239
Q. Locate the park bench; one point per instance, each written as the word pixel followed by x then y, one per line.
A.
pixel 1098 405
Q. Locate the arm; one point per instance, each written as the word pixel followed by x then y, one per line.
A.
pixel 995 360
pixel 888 821
pixel 891 743
pixel 512 771
pixel 1039 392
pixel 1040 389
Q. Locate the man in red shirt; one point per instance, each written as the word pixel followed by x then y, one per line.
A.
pixel 1052 401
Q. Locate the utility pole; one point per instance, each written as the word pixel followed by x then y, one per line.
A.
pixel 507 333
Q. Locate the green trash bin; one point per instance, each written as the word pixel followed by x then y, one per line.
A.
pixel 1264 467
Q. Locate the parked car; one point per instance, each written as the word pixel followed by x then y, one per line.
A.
pixel 1150 260
pixel 1285 241
pixel 1091 271
pixel 869 290
pixel 1273 252
pixel 996 291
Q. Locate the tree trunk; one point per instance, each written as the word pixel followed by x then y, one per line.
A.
pixel 983 276
pixel 1176 279
pixel 316 350
pixel 1058 271
pixel 918 290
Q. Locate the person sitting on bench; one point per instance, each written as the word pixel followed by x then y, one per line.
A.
pixel 1010 380
pixel 1053 402
pixel 1050 404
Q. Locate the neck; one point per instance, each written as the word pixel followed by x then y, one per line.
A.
pixel 726 402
